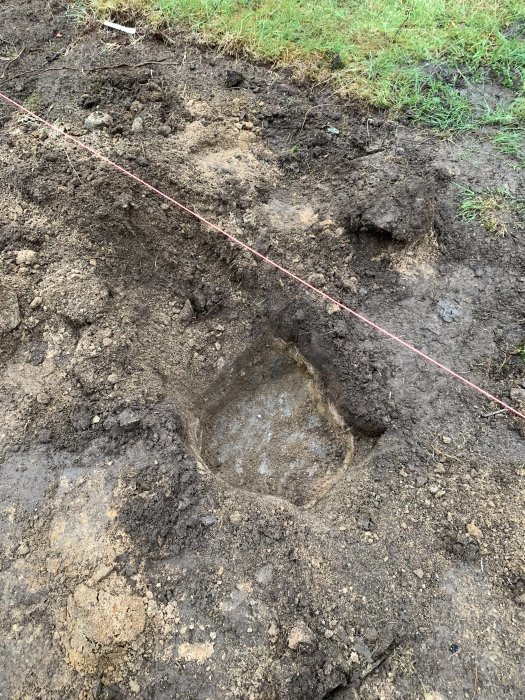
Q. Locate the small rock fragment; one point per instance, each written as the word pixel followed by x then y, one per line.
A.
pixel 9 310
pixel 23 549
pixel 363 650
pixel 101 573
pixel 37 301
pixel 474 531
pixel 26 257
pixel 364 522
pixel 43 398
pixel 448 311
pixel 197 652
pixel 138 125
pixel 129 419
pixel 371 634
pixel 446 440
pixel 349 284
pixel 342 635
pixel 236 518
pixel 187 313
pixel 419 573
pixel 273 632
pixel 317 279
pixel 97 120
pixel 300 636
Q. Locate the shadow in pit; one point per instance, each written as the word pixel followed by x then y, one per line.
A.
pixel 267 428
pixel 373 244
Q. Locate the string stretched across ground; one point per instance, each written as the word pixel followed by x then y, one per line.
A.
pixel 327 297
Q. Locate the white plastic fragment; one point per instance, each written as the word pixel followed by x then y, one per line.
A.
pixel 127 30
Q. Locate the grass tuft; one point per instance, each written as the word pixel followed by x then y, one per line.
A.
pixel 418 56
pixel 491 207
pixel 511 142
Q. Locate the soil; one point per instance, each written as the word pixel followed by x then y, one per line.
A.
pixel 212 484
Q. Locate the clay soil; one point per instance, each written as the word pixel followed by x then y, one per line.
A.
pixel 136 561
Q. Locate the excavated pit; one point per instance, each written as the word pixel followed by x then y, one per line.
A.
pixel 269 430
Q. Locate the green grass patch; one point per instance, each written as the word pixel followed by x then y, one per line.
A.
pixel 511 142
pixel 491 207
pixel 419 56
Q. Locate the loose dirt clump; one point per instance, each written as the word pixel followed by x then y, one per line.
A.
pixel 213 484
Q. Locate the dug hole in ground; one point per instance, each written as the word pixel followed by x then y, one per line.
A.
pixel 213 484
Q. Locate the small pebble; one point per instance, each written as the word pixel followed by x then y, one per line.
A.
pixel 300 635
pixel 187 313
pixel 97 120
pixel 138 125
pixel 26 257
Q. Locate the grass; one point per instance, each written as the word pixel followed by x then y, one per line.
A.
pixel 511 142
pixel 491 208
pixel 419 56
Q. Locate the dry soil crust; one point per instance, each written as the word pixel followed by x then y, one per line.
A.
pixel 137 561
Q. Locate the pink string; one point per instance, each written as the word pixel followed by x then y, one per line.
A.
pixel 269 261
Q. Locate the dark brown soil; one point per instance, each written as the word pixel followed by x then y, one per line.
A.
pixel 138 561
